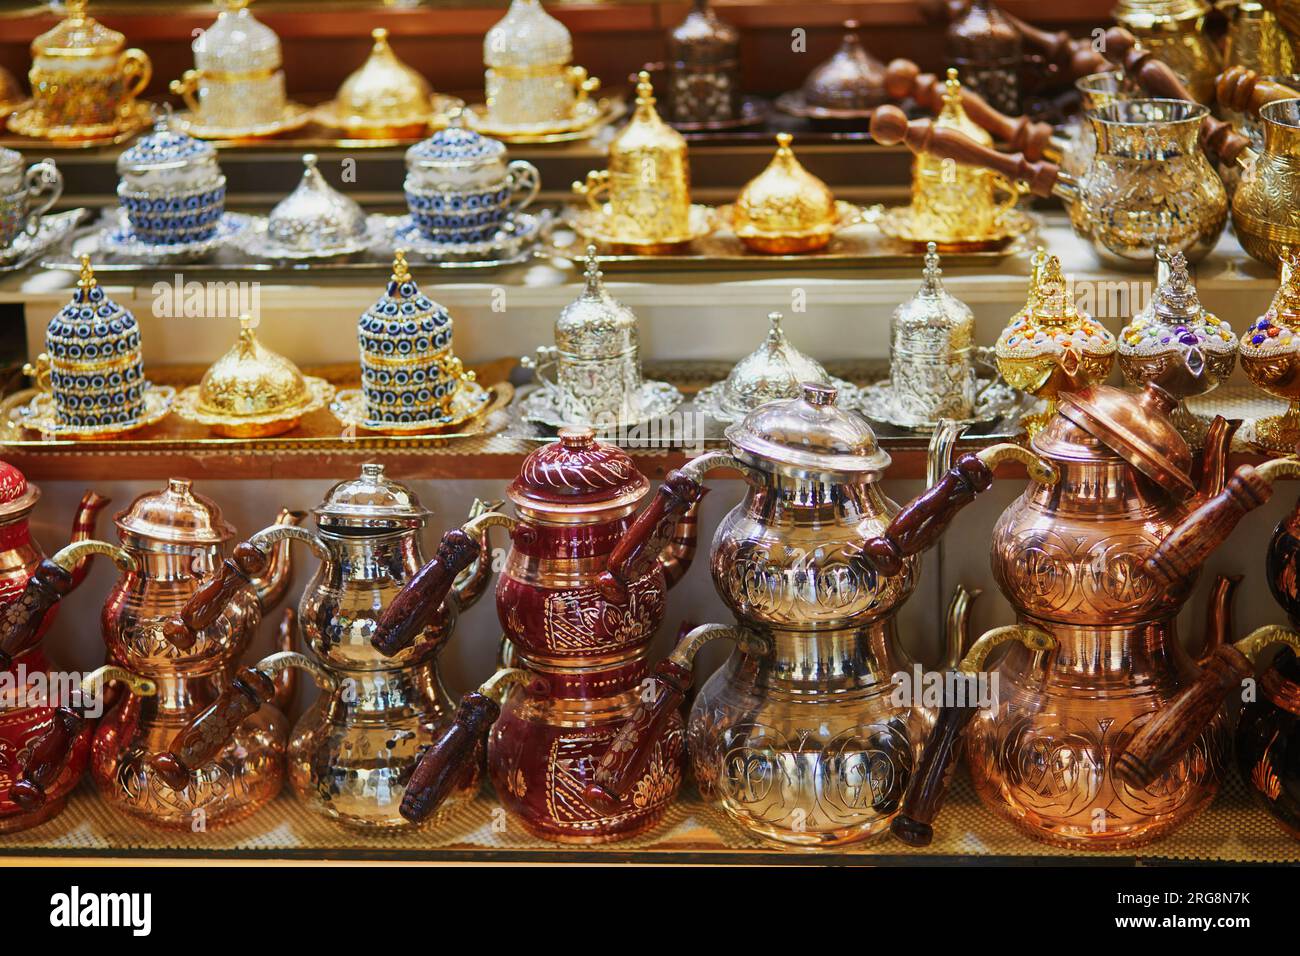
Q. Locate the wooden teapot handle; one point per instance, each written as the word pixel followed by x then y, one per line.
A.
pixel 21 618
pixel 207 734
pixel 1168 735
pixel 47 758
pixel 889 126
pixel 418 602
pixel 1156 77
pixel 904 79
pixel 207 603
pixel 645 540
pixel 914 823
pixel 444 763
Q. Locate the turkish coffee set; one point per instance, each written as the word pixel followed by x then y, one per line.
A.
pixel 584 740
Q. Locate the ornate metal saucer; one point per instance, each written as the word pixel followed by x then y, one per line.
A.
pixel 294 117
pixel 25 122
pixel 26 248
pixel 846 214
pixel 709 399
pixel 520 230
pixel 794 104
pixel 896 222
pixel 590 116
pixel 117 239
pixel 443 110
pixel 548 405
pixel 592 226
pixel 40 415
pixel 189 406
pixel 996 400
pixel 472 401
pixel 254 241
pixel 754 111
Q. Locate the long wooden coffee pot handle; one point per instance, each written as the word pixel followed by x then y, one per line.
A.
pixel 904 79
pixel 1074 57
pixel 889 126
pixel 1155 76
pixel 1238 88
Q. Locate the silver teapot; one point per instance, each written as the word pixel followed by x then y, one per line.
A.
pixel 353 751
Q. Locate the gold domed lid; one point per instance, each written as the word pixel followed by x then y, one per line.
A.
pixel 1049 302
pixel 78 35
pixel 647 131
pixel 953 114
pixel 1284 310
pixel 175 515
pixel 251 380
pixel 852 79
pixel 384 92
pixel 784 199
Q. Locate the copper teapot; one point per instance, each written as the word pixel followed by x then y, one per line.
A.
pixel 798 737
pixel 577 657
pixel 1076 562
pixel 170 539
pixel 23 718
pixel 352 752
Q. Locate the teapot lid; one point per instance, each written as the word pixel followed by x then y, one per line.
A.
pixel 577 474
pixel 370 500
pixel 810 434
pixel 17 497
pixel 1134 425
pixel 175 515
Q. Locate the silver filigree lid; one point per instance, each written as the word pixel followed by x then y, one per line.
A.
pixel 527 37
pixel 236 43
pixel 932 307
pixel 775 370
pixel 370 501
pixel 316 217
pixel 810 434
pixel 595 325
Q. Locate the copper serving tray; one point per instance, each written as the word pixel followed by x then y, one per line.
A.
pixel 318 430
pixel 862 246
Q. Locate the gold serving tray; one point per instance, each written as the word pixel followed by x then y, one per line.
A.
pixel 855 247
pixel 318 430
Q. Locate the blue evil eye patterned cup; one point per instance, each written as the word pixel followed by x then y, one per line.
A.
pixel 25 195
pixel 171 189
pixel 460 188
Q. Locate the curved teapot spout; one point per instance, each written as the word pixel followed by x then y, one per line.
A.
pixel 271 584
pixel 1218 615
pixel 83 528
pixel 957 624
pixel 1214 461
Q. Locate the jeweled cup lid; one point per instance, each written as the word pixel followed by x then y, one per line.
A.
pixel 372 501
pixel 577 474
pixel 773 371
pixel 175 515
pixel 452 147
pixel 315 217
pixel 1134 425
pixel 17 497
pixel 78 35
pixel 852 79
pixel 527 37
pixel 163 149
pixel 810 434
pixel 703 37
pixel 237 42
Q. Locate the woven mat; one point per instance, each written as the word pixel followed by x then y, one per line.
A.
pixel 1233 829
